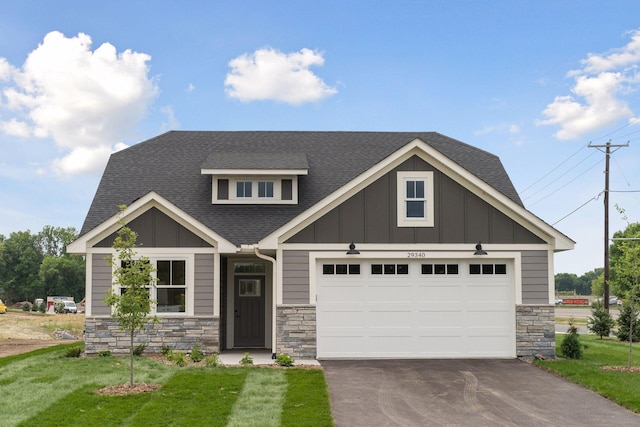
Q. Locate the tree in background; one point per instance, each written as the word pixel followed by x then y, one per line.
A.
pixel 133 274
pixel 37 265
pixel 624 255
pixel 582 285
pixel 22 255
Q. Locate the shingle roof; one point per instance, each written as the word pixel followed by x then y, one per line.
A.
pixel 253 160
pixel 170 164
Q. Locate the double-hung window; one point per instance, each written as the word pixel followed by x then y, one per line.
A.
pixel 415 199
pixel 171 287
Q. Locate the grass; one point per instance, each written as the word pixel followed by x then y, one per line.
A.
pixel 620 387
pixel 42 388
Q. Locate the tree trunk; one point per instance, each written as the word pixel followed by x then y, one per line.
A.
pixel 131 360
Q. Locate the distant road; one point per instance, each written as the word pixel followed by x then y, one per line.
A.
pixel 580 312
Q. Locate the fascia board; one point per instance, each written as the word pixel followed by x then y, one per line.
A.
pixel 137 208
pixel 252 172
pixel 443 163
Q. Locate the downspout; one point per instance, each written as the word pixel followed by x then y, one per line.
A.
pixel 274 297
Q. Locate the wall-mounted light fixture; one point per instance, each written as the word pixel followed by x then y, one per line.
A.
pixel 479 250
pixel 352 249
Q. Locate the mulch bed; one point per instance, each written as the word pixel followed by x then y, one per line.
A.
pixel 124 389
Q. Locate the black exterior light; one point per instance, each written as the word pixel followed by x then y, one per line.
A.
pixel 479 250
pixel 352 249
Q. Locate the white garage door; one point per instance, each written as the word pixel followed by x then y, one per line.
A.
pixel 415 309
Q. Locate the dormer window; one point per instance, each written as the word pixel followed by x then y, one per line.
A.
pixel 255 178
pixel 265 189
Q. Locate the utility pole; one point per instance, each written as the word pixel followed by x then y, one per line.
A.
pixel 607 152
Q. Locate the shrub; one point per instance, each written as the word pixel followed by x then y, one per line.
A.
pixel 600 323
pixel 246 360
pixel 43 307
pixel 165 350
pixel 571 347
pixel 284 360
pixel 26 307
pixel 624 324
pixel 212 360
pixel 104 353
pixel 196 355
pixel 73 352
pixel 59 308
pixel 179 358
pixel 34 307
pixel 139 349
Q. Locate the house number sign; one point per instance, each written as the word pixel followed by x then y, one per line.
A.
pixel 416 254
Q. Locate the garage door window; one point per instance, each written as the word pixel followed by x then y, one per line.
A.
pixel 390 269
pixel 342 269
pixel 439 268
pixel 488 269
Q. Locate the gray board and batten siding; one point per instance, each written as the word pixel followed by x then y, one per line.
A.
pixel 157 230
pixel 370 216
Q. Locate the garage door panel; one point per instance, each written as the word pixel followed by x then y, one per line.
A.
pixel 389 294
pixel 438 319
pixel 389 319
pixel 415 315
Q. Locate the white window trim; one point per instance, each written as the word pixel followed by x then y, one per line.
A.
pixel 402 177
pixel 189 286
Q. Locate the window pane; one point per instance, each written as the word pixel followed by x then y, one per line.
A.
pixel 415 209
pixel 164 272
pixel 411 193
pixel 440 269
pixel 171 300
pixel 327 269
pixel 376 269
pixel 487 268
pixel 389 269
pixel 474 269
pixel 452 268
pixel 341 268
pixel 501 269
pixel 178 273
pixel 354 268
pixel 402 268
pixel 419 190
pixel 427 268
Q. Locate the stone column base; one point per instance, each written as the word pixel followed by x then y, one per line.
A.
pixel 535 331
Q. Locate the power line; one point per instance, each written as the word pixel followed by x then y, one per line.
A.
pixel 556 168
pixel 560 188
pixel 577 209
pixel 567 172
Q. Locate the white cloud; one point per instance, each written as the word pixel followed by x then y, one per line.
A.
pixel 268 74
pixel 86 101
pixel 190 88
pixel 598 92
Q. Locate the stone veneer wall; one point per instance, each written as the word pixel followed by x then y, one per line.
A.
pixel 535 331
pixel 178 333
pixel 296 330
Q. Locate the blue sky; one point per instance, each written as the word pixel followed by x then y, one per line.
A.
pixel 530 81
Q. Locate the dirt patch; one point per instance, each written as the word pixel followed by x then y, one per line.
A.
pixel 21 332
pixel 633 369
pixel 123 389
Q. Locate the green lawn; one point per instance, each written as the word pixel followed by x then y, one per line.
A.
pixel 620 387
pixel 43 388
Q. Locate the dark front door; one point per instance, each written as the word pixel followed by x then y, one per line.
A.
pixel 248 328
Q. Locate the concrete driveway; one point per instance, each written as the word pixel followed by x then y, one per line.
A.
pixel 462 393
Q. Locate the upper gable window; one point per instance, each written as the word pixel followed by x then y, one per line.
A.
pixel 415 199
